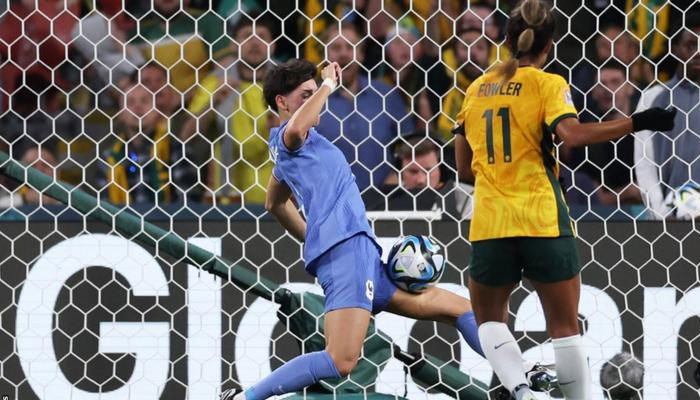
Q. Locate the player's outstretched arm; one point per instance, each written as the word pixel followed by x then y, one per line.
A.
pixel 307 115
pixel 278 202
pixel 574 133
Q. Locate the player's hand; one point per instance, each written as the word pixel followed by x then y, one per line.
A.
pixel 654 119
pixel 331 71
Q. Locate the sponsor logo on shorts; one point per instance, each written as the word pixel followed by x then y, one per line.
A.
pixel 369 290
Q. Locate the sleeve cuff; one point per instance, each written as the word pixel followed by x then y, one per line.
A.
pixel 558 119
pixel 458 129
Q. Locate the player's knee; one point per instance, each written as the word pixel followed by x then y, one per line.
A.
pixel 345 363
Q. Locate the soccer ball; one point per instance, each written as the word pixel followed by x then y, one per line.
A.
pixel 622 377
pixel 415 263
pixel 686 200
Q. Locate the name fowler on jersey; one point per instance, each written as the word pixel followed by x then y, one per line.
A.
pixel 493 89
pixel 509 128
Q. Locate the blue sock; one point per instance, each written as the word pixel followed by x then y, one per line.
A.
pixel 296 374
pixel 466 324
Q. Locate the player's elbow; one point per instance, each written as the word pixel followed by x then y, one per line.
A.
pixel 271 206
pixel 571 140
pixel 571 133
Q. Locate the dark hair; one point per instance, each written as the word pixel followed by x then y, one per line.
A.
pixel 529 31
pixel 614 64
pixel 336 29
pixel 415 144
pixel 284 78
pixel 690 21
pixel 255 19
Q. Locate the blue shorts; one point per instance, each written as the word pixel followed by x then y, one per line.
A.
pixel 352 276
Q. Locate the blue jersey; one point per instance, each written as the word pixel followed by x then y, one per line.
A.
pixel 322 183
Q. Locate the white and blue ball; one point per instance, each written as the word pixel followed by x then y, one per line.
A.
pixel 686 199
pixel 415 263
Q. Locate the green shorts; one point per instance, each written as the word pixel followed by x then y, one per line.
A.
pixel 498 262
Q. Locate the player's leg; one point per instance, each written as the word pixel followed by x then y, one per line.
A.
pixel 494 273
pixel 560 305
pixel 556 279
pixel 347 282
pixel 500 347
pixel 345 331
pixel 440 305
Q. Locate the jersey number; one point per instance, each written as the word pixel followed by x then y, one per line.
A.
pixel 504 113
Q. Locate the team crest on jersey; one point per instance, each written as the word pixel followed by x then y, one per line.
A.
pixel 567 97
pixel 369 290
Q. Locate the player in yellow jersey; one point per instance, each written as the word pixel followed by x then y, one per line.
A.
pixel 521 225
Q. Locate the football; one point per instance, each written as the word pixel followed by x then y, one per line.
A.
pixel 622 377
pixel 415 263
pixel 686 201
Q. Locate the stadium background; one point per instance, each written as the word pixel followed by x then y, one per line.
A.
pixel 81 79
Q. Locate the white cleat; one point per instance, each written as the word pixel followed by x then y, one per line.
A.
pixel 523 392
pixel 541 378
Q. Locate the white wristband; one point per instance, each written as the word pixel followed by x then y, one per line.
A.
pixel 330 83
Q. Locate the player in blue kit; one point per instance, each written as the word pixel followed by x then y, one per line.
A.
pixel 339 246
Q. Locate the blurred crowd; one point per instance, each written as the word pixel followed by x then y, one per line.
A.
pixel 164 105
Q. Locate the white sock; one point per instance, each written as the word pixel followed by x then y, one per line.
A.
pixel 528 365
pixel 572 366
pixel 503 353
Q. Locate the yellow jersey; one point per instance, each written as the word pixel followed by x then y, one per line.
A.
pixel 510 129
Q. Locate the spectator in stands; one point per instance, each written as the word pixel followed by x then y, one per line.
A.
pixel 33 37
pixel 242 167
pixel 320 15
pixel 44 161
pixel 101 36
pixel 610 166
pixel 423 181
pixel 419 76
pixel 144 162
pixel 665 161
pixel 155 78
pixel 482 14
pixel 484 17
pixel 612 43
pixel 381 17
pixel 185 41
pixel 372 114
pixel 625 49
pixel 465 60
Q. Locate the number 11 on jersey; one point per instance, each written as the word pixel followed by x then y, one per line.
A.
pixel 504 113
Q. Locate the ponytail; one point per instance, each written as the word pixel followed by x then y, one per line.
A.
pixel 533 13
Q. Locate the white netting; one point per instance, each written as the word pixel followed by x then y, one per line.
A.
pixel 157 107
